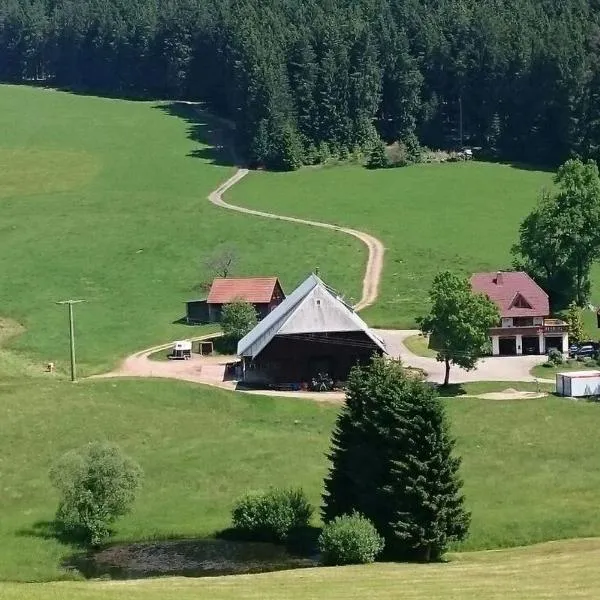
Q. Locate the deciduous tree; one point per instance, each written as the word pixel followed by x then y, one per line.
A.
pixel 97 484
pixel 575 323
pixel 560 239
pixel 237 319
pixel 459 321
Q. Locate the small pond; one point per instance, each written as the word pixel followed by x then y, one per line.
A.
pixel 192 558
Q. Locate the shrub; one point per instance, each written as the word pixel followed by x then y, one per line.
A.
pixel 555 356
pixel 97 484
pixel 271 516
pixel 396 154
pixel 237 319
pixel 350 540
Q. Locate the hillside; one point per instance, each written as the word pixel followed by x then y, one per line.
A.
pixel 201 448
pixel 554 571
pixel 306 79
pixel 105 200
pixel 462 217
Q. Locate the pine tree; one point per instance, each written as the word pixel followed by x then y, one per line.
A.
pixel 392 460
pixel 575 323
pixel 377 157
pixel 493 136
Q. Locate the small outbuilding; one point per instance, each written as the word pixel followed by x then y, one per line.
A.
pixel 312 332
pixel 264 293
pixel 578 384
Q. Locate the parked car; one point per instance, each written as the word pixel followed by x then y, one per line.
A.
pixel 584 350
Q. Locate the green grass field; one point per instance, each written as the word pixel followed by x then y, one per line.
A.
pixel 461 217
pixel 202 447
pixel 545 372
pixel 106 200
pixel 554 571
pixel 420 346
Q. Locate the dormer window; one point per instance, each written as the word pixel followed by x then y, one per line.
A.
pixel 520 302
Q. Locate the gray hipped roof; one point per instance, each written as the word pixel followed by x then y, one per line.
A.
pixel 312 307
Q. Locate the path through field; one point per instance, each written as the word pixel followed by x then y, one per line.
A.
pixel 211 370
pixel 376 249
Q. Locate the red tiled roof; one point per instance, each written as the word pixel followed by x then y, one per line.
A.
pixel 257 290
pixel 505 286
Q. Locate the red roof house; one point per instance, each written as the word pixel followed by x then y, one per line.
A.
pixel 514 292
pixel 524 308
pixel 265 293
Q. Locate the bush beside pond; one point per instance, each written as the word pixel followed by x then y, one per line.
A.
pixel 271 516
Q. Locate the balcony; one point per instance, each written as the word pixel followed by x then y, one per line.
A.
pixel 555 326
pixel 550 327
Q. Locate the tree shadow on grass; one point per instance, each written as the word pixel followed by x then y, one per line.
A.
pixel 451 390
pixel 55 530
pixel 516 164
pixel 216 135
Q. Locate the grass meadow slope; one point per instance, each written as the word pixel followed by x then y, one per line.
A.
pixel 105 200
pixel 461 216
pixel 530 467
pixel 555 571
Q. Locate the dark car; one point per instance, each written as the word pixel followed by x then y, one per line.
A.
pixel 584 350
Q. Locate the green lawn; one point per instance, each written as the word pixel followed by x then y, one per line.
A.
pixel 105 200
pixel 462 216
pixel 554 571
pixel 419 345
pixel 545 372
pixel 201 447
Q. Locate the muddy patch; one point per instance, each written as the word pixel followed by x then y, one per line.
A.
pixel 191 558
pixel 9 329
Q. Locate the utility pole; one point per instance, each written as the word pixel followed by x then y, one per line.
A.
pixel 70 303
pixel 460 121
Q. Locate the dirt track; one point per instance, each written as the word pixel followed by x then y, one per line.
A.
pixel 140 365
pixel 376 249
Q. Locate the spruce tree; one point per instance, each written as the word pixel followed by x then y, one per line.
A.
pixel 377 158
pixel 392 461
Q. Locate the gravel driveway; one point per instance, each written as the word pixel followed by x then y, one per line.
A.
pixel 497 368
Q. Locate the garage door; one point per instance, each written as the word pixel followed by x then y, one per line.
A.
pixel 553 342
pixel 507 346
pixel 531 345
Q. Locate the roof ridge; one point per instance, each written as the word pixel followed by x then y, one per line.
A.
pixel 256 340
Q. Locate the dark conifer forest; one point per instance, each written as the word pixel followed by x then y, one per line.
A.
pixel 304 79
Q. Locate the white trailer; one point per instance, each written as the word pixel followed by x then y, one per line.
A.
pixel 182 350
pixel 578 384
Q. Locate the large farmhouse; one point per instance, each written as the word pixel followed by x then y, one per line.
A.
pixel 264 293
pixel 524 309
pixel 312 331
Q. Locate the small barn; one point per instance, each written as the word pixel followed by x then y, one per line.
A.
pixel 312 331
pixel 264 293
